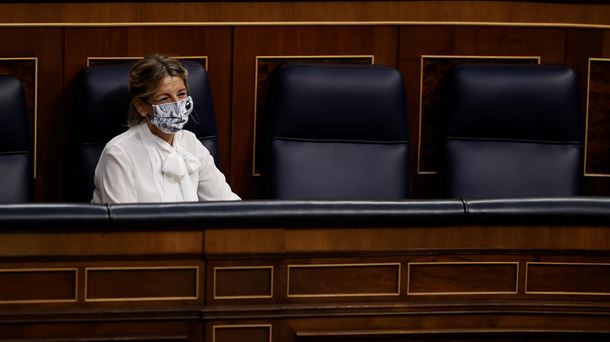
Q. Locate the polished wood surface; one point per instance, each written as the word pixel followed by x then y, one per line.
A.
pixel 433 282
pixel 306 11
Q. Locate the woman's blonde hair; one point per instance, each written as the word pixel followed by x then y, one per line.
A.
pixel 146 76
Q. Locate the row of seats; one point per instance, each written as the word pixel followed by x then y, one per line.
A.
pixel 277 213
pixel 341 131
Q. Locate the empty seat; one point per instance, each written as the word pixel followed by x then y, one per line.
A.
pixel 338 132
pixel 104 103
pixel 16 165
pixel 512 131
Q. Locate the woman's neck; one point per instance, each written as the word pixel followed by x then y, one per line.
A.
pixel 168 137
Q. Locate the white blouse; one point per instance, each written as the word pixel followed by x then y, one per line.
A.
pixel 138 166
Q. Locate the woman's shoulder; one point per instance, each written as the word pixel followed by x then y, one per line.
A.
pixel 121 141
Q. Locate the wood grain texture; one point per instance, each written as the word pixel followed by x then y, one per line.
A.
pixel 299 11
pixel 38 285
pixel 462 278
pixel 568 278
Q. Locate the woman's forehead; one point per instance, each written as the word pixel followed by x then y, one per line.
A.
pixel 170 84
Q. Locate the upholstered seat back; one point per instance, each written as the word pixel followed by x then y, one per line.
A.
pixel 338 132
pixel 104 103
pixel 512 131
pixel 16 166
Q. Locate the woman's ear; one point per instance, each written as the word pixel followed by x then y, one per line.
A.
pixel 140 107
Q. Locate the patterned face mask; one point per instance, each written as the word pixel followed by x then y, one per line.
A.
pixel 171 117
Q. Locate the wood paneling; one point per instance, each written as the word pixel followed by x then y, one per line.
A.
pixel 130 283
pixel 299 11
pixel 598 118
pixel 242 282
pixel 251 42
pixel 440 278
pixel 343 280
pixel 568 278
pixel 108 243
pixel 38 285
pixel 416 42
pixel 242 332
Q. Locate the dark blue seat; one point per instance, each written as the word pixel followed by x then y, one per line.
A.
pixel 338 132
pixel 16 165
pixel 103 107
pixel 512 131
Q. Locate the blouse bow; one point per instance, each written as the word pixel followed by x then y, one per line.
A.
pixel 179 163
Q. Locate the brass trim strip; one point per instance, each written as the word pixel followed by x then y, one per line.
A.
pixel 563 292
pixel 329 295
pixel 43 301
pixel 421 94
pixel 214 296
pixel 309 23
pixel 256 59
pixel 35 59
pixel 140 299
pixel 585 173
pixel 238 326
pixel 516 291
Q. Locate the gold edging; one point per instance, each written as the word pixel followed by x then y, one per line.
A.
pixel 256 59
pixel 310 23
pixel 421 94
pixel 35 59
pixel 238 326
pixel 215 297
pixel 140 299
pixel 43 301
pixel 527 264
pixel 585 173
pixel 516 263
pixel 135 58
pixel 330 295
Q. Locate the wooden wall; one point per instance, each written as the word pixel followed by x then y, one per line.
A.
pixel 46 45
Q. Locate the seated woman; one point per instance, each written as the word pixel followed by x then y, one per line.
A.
pixel 155 160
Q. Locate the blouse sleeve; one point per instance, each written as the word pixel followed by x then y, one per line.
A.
pixel 212 183
pixel 114 182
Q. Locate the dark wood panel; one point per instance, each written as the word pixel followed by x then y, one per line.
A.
pixel 46 45
pixel 314 42
pixel 210 42
pixel 241 332
pixel 141 283
pixel 598 118
pixel 38 285
pixel 299 11
pixel 242 282
pixel 157 329
pixel 568 278
pixel 462 278
pixel 468 42
pixel 339 280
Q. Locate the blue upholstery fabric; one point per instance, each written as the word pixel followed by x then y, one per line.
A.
pixel 16 166
pixel 104 103
pixel 338 132
pixel 512 131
